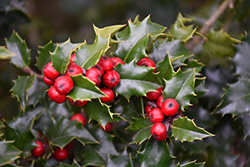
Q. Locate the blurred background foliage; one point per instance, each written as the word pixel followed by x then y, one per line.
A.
pixel 39 21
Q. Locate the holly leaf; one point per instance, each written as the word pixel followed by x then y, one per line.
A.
pixel 20 88
pixel 155 153
pixel 142 127
pixel 136 80
pixel 84 89
pixel 75 164
pixel 176 50
pixel 101 113
pixel 105 146
pixel 241 59
pixel 180 31
pixel 107 31
pixel 135 37
pixel 19 130
pixel 64 131
pixel 218 48
pixel 235 99
pixel 8 152
pixel 193 64
pixel 124 160
pixel 181 88
pixel 5 53
pixel 61 56
pixel 128 110
pixel 88 55
pixel 36 91
pixel 165 68
pixel 89 157
pixel 16 45
pixel 184 129
pixel 191 164
pixel 44 55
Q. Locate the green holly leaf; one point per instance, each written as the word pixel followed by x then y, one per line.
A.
pixel 105 146
pixel 101 113
pixel 8 152
pixel 5 53
pixel 124 160
pixel 88 156
pixel 184 129
pixel 63 131
pixel 75 164
pixel 19 130
pixel 155 153
pixel 16 45
pixel 21 85
pixel 176 50
pixel 191 164
pixel 180 31
pixel 218 48
pixel 165 68
pixel 136 80
pixel 84 89
pixel 142 128
pixel 129 110
pixel 241 59
pixel 44 55
pixel 35 92
pixel 193 64
pixel 88 55
pixel 42 162
pixel 235 99
pixel 135 37
pixel 106 31
pixel 181 88
pixel 245 124
pixel 61 56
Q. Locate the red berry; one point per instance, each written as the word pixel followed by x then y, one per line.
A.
pixel 99 67
pixel 159 101
pixel 60 154
pixel 170 107
pixel 39 149
pixel 156 115
pixel 150 105
pixel 64 84
pixel 77 103
pixel 72 58
pixel 111 78
pixel 116 61
pixel 146 62
pixel 154 94
pixel 80 118
pixel 106 63
pixel 110 95
pixel 48 81
pixel 74 69
pixel 159 132
pixel 108 128
pixel 50 72
pixel 55 96
pixel 94 75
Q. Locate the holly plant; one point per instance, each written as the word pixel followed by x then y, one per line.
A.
pixel 120 101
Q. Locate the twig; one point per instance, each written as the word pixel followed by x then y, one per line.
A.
pixel 31 72
pixel 209 23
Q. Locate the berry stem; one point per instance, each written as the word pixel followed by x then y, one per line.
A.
pixel 31 72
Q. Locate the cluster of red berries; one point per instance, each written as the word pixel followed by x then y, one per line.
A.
pixel 159 111
pixel 102 74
